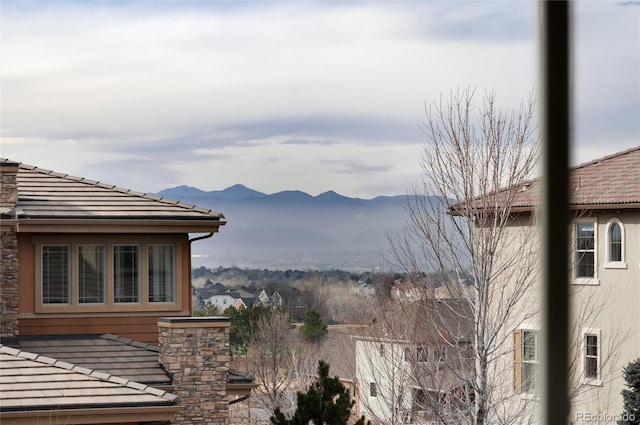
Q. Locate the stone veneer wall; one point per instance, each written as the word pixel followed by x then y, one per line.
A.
pixel 9 251
pixel 195 351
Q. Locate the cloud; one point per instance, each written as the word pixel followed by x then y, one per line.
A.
pixel 607 71
pixel 310 95
pixel 145 72
pixel 300 141
pixel 350 166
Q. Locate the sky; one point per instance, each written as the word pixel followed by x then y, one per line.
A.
pixel 304 95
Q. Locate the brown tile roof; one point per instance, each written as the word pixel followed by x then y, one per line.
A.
pixel 35 382
pixel 609 182
pixel 110 354
pixel 47 194
pixel 612 180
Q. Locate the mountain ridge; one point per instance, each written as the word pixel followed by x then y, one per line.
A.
pixel 239 191
pixel 292 229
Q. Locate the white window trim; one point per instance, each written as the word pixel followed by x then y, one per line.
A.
pixel 374 386
pixel 597 381
pixel 527 395
pixel 585 280
pixel 622 264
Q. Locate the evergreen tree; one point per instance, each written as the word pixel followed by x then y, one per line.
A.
pixel 326 402
pixel 208 310
pixel 631 396
pixel 313 329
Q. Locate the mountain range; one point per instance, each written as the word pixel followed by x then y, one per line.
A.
pixel 292 229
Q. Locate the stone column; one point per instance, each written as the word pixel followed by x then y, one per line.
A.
pixel 195 351
pixel 9 254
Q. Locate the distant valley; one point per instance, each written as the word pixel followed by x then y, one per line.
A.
pixel 292 229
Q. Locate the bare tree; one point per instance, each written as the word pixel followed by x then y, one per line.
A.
pixel 415 362
pixel 269 359
pixel 475 165
pixel 281 361
pixel 303 367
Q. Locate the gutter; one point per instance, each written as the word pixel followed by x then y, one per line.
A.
pixel 88 415
pixel 199 238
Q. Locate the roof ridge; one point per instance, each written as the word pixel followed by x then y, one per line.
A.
pixel 38 358
pixel 605 158
pixel 96 183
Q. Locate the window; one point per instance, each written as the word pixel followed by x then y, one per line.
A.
pixel 530 359
pixel 422 354
pixel 91 274
pixel 591 356
pixel 440 354
pixel 108 273
pixel 161 274
pixel 373 391
pixel 55 274
pixel 436 354
pixel 615 254
pixel 126 273
pixel 585 249
pixel 615 242
pixel 526 358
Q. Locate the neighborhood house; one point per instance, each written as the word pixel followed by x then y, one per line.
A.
pixel 404 372
pixel 96 307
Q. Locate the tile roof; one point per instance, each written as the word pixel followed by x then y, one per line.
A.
pixel 35 382
pixel 110 354
pixel 608 182
pixel 614 179
pixel 47 194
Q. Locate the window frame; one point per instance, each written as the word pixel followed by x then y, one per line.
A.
pixel 138 270
pixel 518 361
pixel 591 380
pixel 530 386
pixel 104 273
pixel 173 278
pixel 109 241
pixel 69 273
pixel 609 263
pixel 439 353
pixel 585 280
pixel 373 390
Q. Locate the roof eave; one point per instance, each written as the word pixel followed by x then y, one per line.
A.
pixel 530 208
pixel 88 415
pixel 241 389
pixel 86 225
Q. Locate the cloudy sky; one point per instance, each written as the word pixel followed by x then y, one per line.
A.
pixel 285 95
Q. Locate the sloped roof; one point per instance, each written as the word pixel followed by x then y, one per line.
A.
pixel 612 180
pixel 45 194
pixel 34 382
pixel 110 354
pixel 608 182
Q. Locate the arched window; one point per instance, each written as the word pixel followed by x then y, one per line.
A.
pixel 615 244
